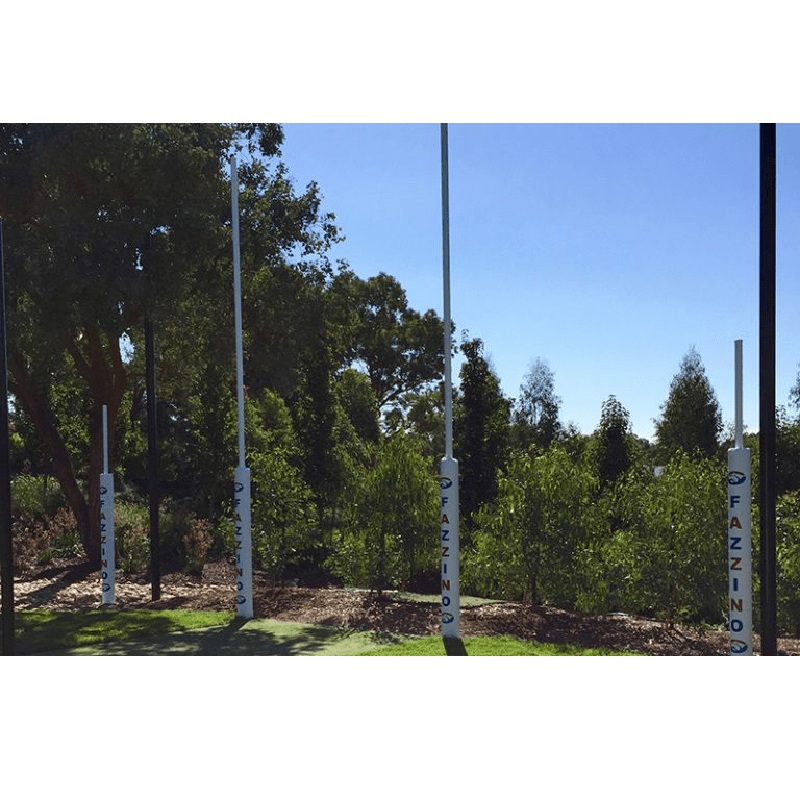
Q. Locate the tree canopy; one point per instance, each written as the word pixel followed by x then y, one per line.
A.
pixel 537 407
pixel 107 222
pixel 691 420
pixel 480 429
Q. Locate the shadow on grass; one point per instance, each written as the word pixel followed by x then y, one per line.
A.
pixel 41 631
pixel 243 637
pixel 454 647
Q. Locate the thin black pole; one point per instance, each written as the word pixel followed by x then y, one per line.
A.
pixel 7 546
pixel 766 383
pixel 152 457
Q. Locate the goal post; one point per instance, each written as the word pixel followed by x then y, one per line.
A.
pixel 740 569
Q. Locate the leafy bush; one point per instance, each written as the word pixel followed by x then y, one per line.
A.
pixel 281 511
pixel 787 555
pixel 669 555
pixel 35 496
pixel 532 542
pixel 392 516
pixel 132 536
pixel 40 540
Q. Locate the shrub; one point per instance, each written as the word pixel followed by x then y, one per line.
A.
pixel 281 511
pixel 35 496
pixel 669 555
pixel 40 540
pixel 197 542
pixel 787 547
pixel 132 537
pixel 532 542
pixel 392 516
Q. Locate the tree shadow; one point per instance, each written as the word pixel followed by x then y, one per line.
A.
pixel 454 647
pixel 240 637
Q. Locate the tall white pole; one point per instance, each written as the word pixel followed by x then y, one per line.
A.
pixel 108 552
pixel 241 475
pixel 448 480
pixel 738 394
pixel 740 578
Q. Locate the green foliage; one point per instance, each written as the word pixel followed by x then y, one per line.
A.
pixel 669 556
pixel 392 515
pixel 282 511
pixel 787 555
pixel 613 434
pixel 105 223
pixel 40 538
pixel 35 496
pixel 132 536
pixel 357 399
pixel 400 349
pixel 691 420
pixel 533 542
pixel 480 430
pixel 787 453
pixel 536 419
pixel 281 502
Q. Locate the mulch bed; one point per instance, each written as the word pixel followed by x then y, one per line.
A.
pixel 71 585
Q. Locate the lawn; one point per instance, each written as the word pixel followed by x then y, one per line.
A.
pixel 184 632
pixel 485 646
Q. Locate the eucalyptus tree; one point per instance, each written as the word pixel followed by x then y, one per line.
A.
pixel 536 416
pixel 399 348
pixel 104 223
pixel 691 421
pixel 613 441
pixel 480 428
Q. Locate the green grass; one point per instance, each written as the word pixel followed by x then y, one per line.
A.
pixel 185 632
pixel 46 631
pixel 486 646
pixel 182 632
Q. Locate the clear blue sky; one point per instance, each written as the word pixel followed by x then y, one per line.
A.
pixel 608 250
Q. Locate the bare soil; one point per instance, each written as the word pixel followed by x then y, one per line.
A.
pixel 73 585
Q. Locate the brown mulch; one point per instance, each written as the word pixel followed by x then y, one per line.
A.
pixel 69 586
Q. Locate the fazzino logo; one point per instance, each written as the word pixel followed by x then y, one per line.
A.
pixel 446 485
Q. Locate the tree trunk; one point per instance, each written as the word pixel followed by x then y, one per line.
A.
pixel 36 407
pixel 107 382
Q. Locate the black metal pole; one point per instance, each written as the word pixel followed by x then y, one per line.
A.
pixel 7 545
pixel 152 457
pixel 766 384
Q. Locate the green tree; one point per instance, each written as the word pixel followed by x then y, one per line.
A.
pixel 787 539
pixel 691 420
pixel 107 222
pixel 425 420
pixel 535 541
pixel 400 349
pixel 480 430
pixel 357 399
pixel 536 416
pixel 393 532
pixel 613 441
pixel 281 503
pixel 669 555
pixel 787 453
pixel 794 394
